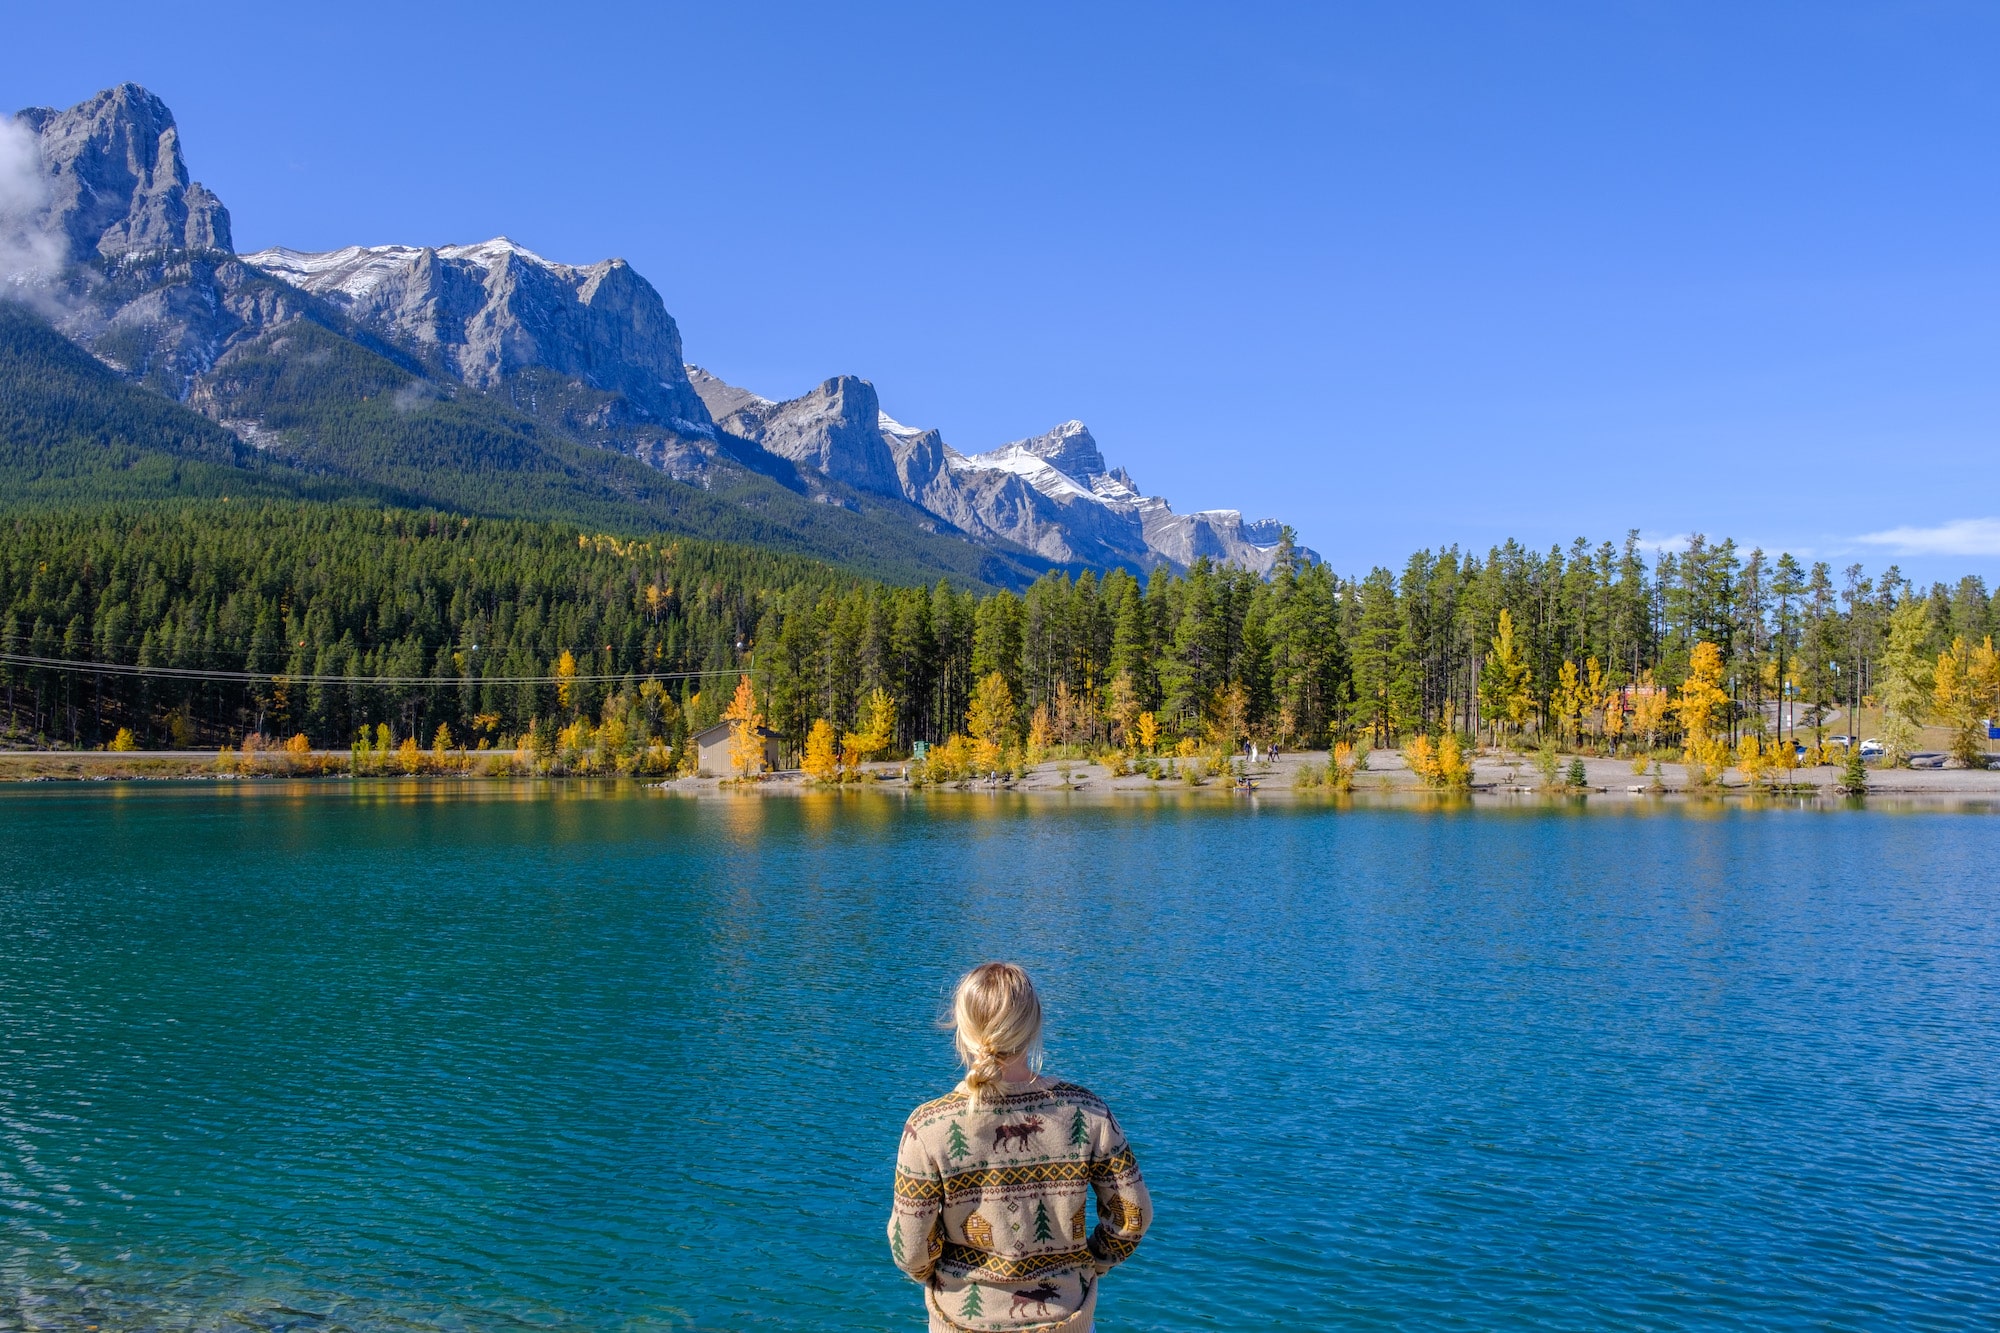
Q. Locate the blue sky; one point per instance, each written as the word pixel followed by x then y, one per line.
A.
pixel 1402 274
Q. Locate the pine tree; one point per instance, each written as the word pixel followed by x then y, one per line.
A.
pixel 1043 1231
pixel 955 1144
pixel 971 1309
pixel 1907 680
pixel 896 1243
pixel 1079 1129
pixel 1506 681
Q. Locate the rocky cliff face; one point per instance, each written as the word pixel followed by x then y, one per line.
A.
pixel 116 181
pixel 1052 494
pixel 834 430
pixel 487 313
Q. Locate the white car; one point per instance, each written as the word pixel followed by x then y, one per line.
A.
pixel 1871 748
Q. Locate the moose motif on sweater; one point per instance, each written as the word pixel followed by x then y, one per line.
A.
pixel 1039 1297
pixel 1021 1130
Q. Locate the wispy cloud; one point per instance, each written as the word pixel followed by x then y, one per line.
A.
pixel 1961 536
pixel 29 250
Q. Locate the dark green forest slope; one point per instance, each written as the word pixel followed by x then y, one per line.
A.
pixel 349 424
pixel 459 607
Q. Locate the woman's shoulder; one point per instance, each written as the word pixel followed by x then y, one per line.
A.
pixel 1075 1094
pixel 952 1102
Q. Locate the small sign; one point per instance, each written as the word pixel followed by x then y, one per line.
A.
pixel 1992 732
pixel 920 749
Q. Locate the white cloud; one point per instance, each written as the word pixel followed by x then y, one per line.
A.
pixel 29 249
pixel 1961 536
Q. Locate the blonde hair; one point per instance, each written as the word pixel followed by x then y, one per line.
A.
pixel 996 1016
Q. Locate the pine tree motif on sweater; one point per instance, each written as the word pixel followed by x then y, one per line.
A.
pixel 1000 1225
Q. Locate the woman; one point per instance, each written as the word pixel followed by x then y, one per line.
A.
pixel 992 1177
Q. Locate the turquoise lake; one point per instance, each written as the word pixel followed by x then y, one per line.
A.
pixel 383 1057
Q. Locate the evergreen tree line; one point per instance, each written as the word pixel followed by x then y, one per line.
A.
pixel 1514 639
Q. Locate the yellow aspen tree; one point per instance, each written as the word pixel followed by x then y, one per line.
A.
pixel 441 742
pixel 1451 768
pixel 1754 759
pixel 1965 694
pixel 1149 732
pixel 878 728
pixel 746 737
pixel 566 679
pixel 124 740
pixel 1700 708
pixel 1612 702
pixel 990 721
pixel 1340 768
pixel 1228 719
pixel 298 745
pixel 1595 688
pixel 1421 759
pixel 1569 701
pixel 1040 733
pixel 822 759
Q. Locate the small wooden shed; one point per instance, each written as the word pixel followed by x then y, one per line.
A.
pixel 712 750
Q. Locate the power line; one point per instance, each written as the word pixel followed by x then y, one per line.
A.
pixel 241 677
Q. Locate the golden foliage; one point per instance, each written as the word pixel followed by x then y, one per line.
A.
pixel 1965 693
pixel 1340 768
pixel 124 740
pixel 878 729
pixel 1228 720
pixel 822 758
pixel 746 737
pixel 566 679
pixel 1149 732
pixel 991 715
pixel 1040 734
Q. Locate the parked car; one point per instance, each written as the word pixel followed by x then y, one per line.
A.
pixel 1928 759
pixel 1871 749
pixel 1842 741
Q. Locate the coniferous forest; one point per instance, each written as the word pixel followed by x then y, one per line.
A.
pixel 511 632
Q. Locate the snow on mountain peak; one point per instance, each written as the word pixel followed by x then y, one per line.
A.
pixel 894 427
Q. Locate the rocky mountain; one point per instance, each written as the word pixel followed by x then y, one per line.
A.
pixel 1052 494
pixel 487 377
pixel 485 314
pixel 116 181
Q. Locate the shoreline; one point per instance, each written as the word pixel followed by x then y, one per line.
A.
pixel 1497 779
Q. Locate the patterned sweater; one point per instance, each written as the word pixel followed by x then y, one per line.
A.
pixel 989 1210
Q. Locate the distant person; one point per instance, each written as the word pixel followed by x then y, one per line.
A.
pixel 992 1178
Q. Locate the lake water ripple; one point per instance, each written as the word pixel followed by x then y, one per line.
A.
pixel 413 1058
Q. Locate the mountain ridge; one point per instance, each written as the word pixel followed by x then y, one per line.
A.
pixel 497 363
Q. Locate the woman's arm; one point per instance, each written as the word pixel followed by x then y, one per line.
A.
pixel 916 1222
pixel 1124 1208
